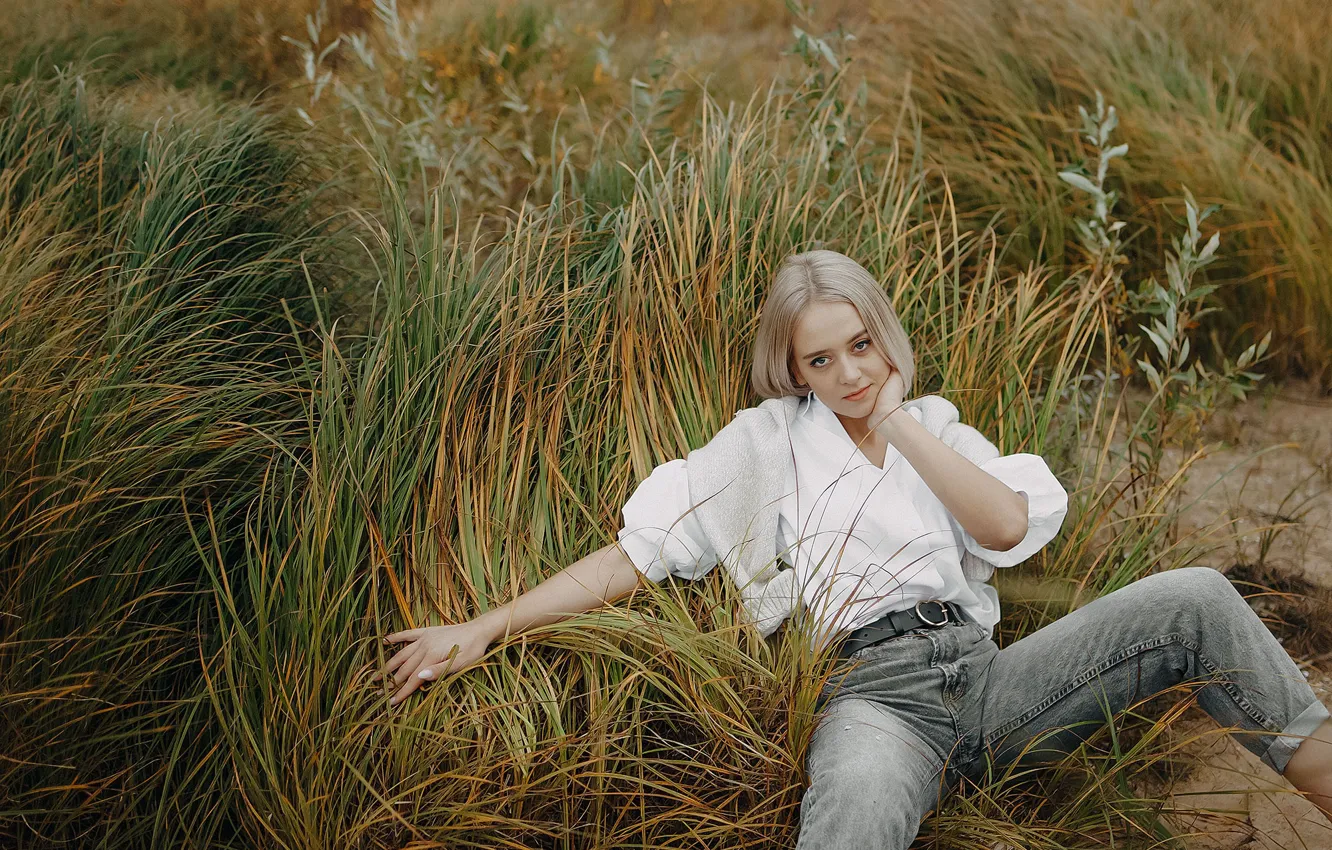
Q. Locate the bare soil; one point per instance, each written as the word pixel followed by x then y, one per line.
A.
pixel 1263 497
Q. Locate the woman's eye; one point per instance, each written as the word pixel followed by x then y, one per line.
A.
pixel 815 362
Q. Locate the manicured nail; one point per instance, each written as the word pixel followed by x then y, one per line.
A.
pixel 426 674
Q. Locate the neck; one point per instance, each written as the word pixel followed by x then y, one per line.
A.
pixel 857 430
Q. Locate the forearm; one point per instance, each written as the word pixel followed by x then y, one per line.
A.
pixel 990 511
pixel 588 583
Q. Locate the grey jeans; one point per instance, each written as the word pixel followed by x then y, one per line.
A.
pixel 915 714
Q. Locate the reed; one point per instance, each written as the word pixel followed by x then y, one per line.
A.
pixel 1229 100
pixel 142 376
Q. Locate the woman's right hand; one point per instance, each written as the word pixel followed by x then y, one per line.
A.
pixel 428 652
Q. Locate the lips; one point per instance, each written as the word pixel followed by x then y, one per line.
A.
pixel 858 394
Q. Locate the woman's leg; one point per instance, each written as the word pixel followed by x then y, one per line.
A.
pixel 872 780
pixel 1053 688
pixel 1310 769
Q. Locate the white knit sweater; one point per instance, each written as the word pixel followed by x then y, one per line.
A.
pixel 736 480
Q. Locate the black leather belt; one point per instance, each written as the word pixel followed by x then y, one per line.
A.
pixel 927 614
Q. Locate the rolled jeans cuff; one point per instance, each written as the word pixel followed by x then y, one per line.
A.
pixel 1278 755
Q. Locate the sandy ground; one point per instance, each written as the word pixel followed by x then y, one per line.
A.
pixel 1265 498
pixel 1272 472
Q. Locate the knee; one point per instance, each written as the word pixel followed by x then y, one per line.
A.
pixel 1205 583
pixel 871 780
pixel 1202 590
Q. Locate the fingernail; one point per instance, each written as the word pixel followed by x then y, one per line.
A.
pixel 425 674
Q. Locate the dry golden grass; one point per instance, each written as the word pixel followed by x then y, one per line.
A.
pixel 210 522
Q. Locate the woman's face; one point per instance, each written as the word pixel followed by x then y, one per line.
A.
pixel 835 357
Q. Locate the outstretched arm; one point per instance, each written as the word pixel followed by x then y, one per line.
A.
pixel 588 583
pixel 433 652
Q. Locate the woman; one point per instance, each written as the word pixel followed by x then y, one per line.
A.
pixel 887 517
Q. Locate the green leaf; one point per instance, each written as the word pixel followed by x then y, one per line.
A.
pixel 1175 275
pixel 828 54
pixel 1210 248
pixel 1078 181
pixel 1157 341
pixel 1111 121
pixel 1153 376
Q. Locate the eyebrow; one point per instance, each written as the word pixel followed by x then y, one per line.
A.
pixel 855 336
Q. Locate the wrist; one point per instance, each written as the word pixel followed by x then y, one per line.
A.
pixel 891 426
pixel 494 622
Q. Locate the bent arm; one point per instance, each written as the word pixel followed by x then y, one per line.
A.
pixel 988 509
pixel 588 583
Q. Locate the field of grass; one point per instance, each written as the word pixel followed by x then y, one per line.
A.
pixel 325 321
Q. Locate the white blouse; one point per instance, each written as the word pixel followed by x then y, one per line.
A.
pixel 863 540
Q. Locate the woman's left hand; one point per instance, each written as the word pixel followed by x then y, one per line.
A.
pixel 889 399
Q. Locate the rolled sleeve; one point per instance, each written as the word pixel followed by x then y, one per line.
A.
pixel 661 534
pixel 1047 504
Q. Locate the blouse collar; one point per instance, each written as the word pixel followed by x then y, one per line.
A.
pixel 814 411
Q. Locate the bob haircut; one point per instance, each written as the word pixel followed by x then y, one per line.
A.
pixel 825 276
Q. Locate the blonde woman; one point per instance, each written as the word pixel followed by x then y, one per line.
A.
pixel 880 519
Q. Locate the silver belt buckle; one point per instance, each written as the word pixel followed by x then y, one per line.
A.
pixel 927 619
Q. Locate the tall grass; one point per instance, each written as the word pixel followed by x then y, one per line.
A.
pixel 233 48
pixel 502 409
pixel 212 514
pixel 145 371
pixel 1232 100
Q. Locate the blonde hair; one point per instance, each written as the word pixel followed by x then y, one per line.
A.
pixel 829 277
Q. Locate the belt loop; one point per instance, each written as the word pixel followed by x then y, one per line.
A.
pixel 959 613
